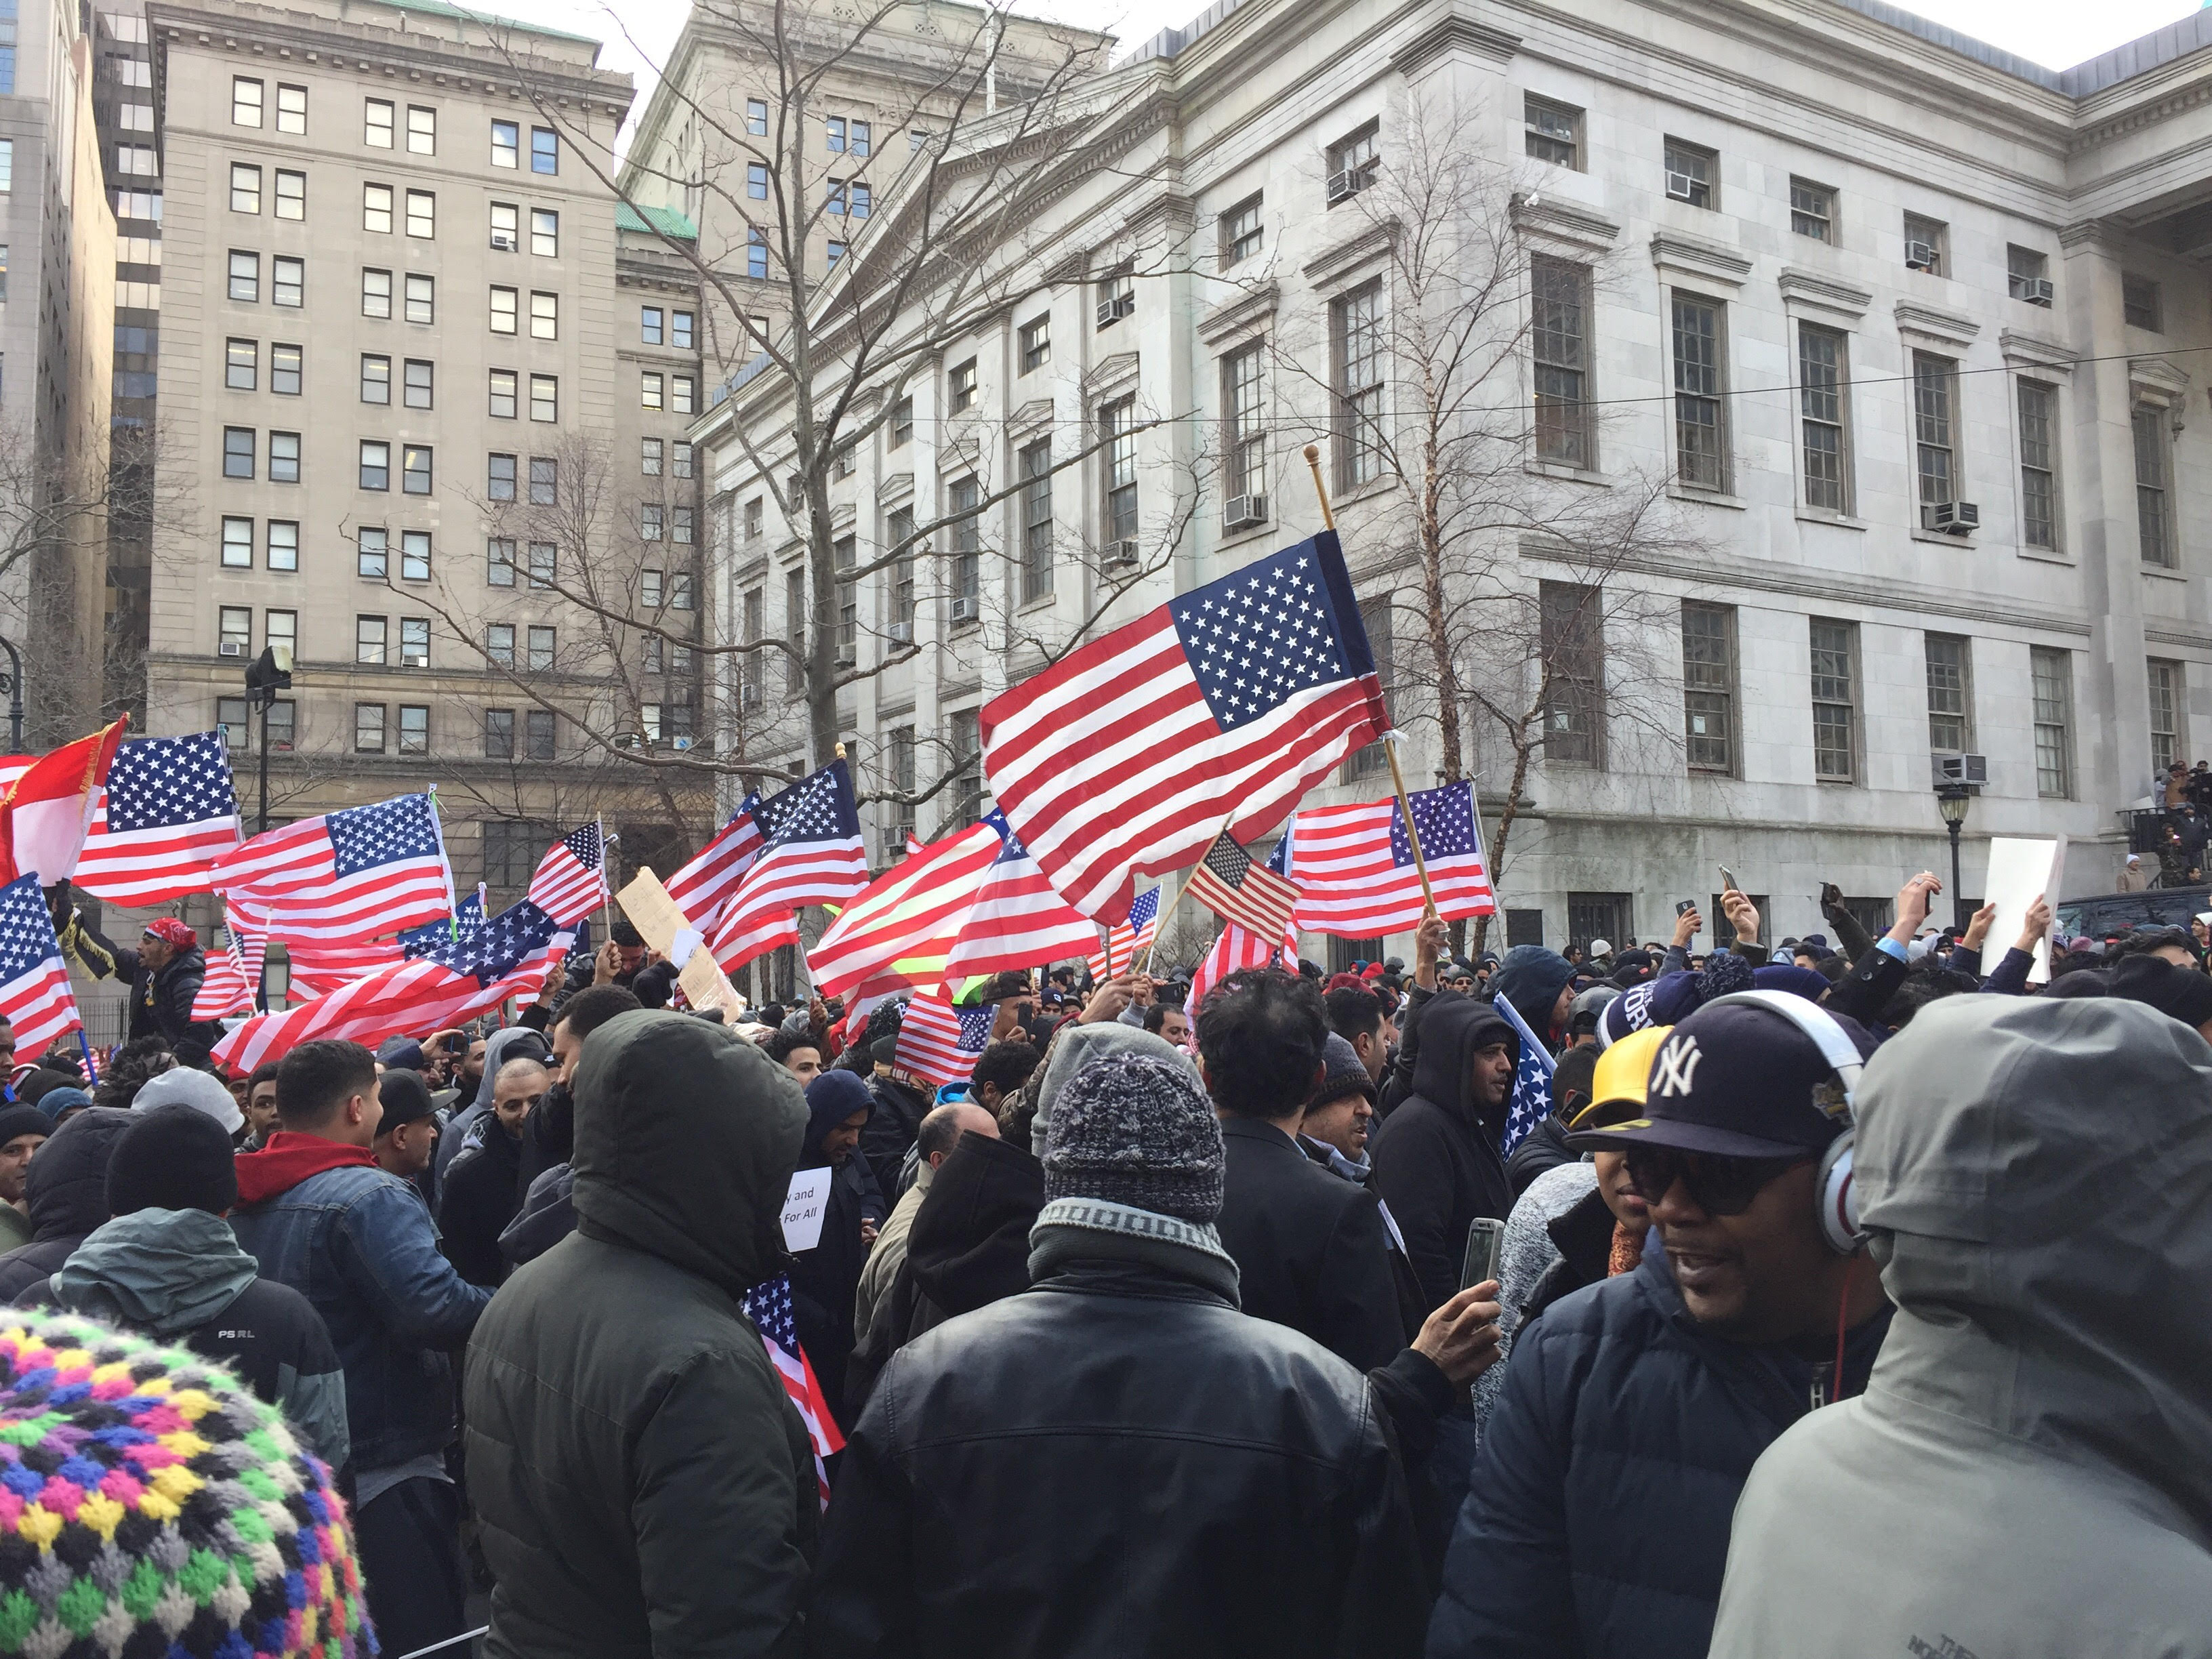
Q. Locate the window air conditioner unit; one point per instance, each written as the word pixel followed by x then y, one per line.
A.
pixel 231 648
pixel 1344 186
pixel 2036 290
pixel 1111 312
pixel 1972 770
pixel 1681 186
pixel 681 744
pixel 1920 256
pixel 963 608
pixel 1243 511
pixel 901 633
pixel 502 241
pixel 1951 518
pixel 1122 552
pixel 630 740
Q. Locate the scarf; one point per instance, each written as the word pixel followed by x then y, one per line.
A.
pixel 1094 1229
pixel 289 1158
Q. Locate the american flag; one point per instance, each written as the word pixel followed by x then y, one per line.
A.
pixel 768 1306
pixel 1236 951
pixel 227 987
pixel 450 982
pixel 940 1042
pixel 348 876
pixel 571 880
pixel 1354 864
pixel 897 934
pixel 34 983
pixel 1017 920
pixel 1531 1101
pixel 1229 702
pixel 702 888
pixel 810 853
pixel 167 811
pixel 1227 882
pixel 1125 938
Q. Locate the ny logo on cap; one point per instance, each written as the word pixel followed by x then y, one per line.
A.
pixel 1676 1066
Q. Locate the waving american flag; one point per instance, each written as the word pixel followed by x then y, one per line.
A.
pixel 351 875
pixel 166 813
pixel 940 1042
pixel 1531 1101
pixel 810 853
pixel 768 1306
pixel 34 984
pixel 1354 864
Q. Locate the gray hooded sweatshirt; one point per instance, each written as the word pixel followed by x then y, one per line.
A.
pixel 2029 1473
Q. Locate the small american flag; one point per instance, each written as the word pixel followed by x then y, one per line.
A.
pixel 810 853
pixel 1125 938
pixel 348 876
pixel 768 1306
pixel 34 984
pixel 702 889
pixel 1531 1101
pixel 938 1041
pixel 167 811
pixel 1354 864
pixel 571 878
pixel 1227 882
pixel 227 987
pixel 1237 951
pixel 1017 920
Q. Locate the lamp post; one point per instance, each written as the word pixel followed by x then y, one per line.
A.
pixel 1952 800
pixel 15 688
pixel 265 676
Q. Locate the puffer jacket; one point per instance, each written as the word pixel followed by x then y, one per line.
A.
pixel 644 1485
pixel 2029 1472
pixel 65 1189
pixel 1597 1521
pixel 160 1001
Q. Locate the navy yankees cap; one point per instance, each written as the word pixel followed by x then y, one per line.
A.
pixel 1736 1080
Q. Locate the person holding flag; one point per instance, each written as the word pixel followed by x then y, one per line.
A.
pixel 164 973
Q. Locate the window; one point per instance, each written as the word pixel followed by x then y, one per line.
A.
pixel 835 140
pixel 902 422
pixel 1608 916
pixel 415 555
pixel 1690 170
pixel 541 638
pixel 1835 700
pixel 420 376
pixel 967 551
pixel 283 546
pixel 237 543
pixel 1117 516
pixel 752 668
pixel 499 483
pixel 372 548
pixel 1925 245
pixel 284 457
pixel 650 521
pixel 291 194
pixel 680 329
pixel 544 150
pixel 368 634
pixel 544 315
pixel 2166 735
pixel 1552 132
pixel 422 214
pixel 651 390
pixel 1352 162
pixel 1823 384
pixel 369 728
pixel 288 280
pixel 649 457
pixel 544 558
pixel 230 718
pixel 1376 616
pixel 538 728
pixel 1242 231
pixel 682 526
pixel 756 117
pixel 503 394
pixel 834 252
pixel 376 123
pixel 898 534
pixel 2039 465
pixel 376 208
pixel 499 644
pixel 1035 507
pixel 756 518
pixel 652 589
pixel 1243 431
pixel 966 739
pixel 1560 340
pixel 244 102
pixel 245 276
pixel 1934 395
pixel 545 233
pixel 502 310
pixel 506 143
pixel 1709 672
pixel 757 254
pixel 651 324
pixel 278 723
pixel 841 556
pixel 2028 275
pixel 1356 332
pixel 499 561
pixel 284 361
pixel 414 728
pixel 375 464
pixel 414 642
pixel 375 293
pixel 414 470
pixel 422 131
pixel 679 590
pixel 898 815
pixel 2153 518
pixel 544 480
pixel 2051 669
pixel 1117 298
pixel 1950 693
pixel 2139 303
pixel 960 387
pixel 241 365
pixel 291 109
pixel 1571 636
pixel 506 226
pixel 1037 344
pixel 1812 209
pixel 544 397
pixel 421 298
pixel 757 180
pixel 499 743
pixel 683 394
pixel 1701 446
pixel 237 447
pixel 244 188
pixel 234 629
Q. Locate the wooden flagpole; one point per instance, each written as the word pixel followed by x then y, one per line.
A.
pixel 1389 738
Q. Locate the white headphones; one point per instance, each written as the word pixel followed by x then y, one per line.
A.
pixel 1835 1199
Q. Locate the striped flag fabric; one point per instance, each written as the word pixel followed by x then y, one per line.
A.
pixel 1236 951
pixel 47 811
pixel 1256 898
pixel 1017 920
pixel 1228 703
pixel 810 853
pixel 167 812
pixel 898 932
pixel 34 982
pixel 347 875
pixel 768 1306
pixel 940 1042
pixel 1530 1103
pixel 226 989
pixel 702 889
pixel 1354 864
pixel 1126 939
pixel 570 881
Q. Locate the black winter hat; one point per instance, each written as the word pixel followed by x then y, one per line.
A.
pixel 23 1121
pixel 2182 993
pixel 1134 1128
pixel 1343 1073
pixel 173 1157
pixel 405 1098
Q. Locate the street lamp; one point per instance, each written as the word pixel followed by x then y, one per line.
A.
pixel 265 676
pixel 1952 800
pixel 13 687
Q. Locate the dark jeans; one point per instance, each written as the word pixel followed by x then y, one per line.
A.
pixel 410 1540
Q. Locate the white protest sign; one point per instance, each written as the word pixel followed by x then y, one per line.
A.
pixel 665 927
pixel 2023 869
pixel 803 1208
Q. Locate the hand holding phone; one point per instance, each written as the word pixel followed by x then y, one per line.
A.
pixel 1485 1237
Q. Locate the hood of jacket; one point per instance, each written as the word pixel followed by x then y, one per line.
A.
pixel 2036 1176
pixel 288 1158
pixel 66 1189
pixel 1453 1028
pixel 164 1271
pixel 686 1138
pixel 1530 978
pixel 495 1056
pixel 969 1242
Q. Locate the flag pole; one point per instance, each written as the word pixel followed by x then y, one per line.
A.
pixel 1389 738
pixel 606 887
pixel 1160 925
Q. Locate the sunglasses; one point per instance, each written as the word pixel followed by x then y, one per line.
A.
pixel 1718 1186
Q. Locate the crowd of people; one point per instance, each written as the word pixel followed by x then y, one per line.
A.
pixel 1839 1304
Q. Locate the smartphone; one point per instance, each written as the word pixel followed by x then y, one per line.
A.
pixel 1683 907
pixel 1484 1235
pixel 1728 883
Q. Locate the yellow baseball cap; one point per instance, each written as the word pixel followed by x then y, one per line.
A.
pixel 1623 1070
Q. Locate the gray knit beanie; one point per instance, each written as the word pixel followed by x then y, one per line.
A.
pixel 1135 1129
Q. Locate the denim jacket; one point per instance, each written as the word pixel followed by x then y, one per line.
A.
pixel 360 1244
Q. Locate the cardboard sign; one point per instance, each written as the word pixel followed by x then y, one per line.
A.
pixel 803 1209
pixel 2021 870
pixel 661 924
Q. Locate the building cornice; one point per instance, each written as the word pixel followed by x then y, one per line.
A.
pixel 1456 34
pixel 1814 288
pixel 1568 222
pixel 1251 310
pixel 1371 240
pixel 1931 323
pixel 2024 350
pixel 1698 259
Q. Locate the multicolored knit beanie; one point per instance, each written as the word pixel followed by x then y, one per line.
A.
pixel 150 1506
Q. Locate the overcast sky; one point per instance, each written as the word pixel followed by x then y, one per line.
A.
pixel 2050 32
